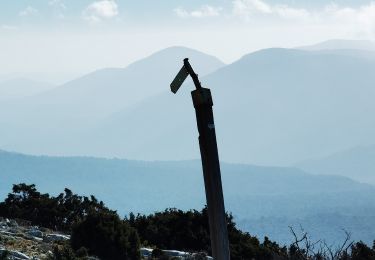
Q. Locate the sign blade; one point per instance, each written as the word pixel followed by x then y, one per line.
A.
pixel 179 79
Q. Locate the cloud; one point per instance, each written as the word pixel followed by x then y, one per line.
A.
pixel 59 8
pixel 203 11
pixel 57 4
pixel 359 19
pixel 28 11
pixel 8 27
pixel 362 17
pixel 180 12
pixel 248 8
pixel 100 10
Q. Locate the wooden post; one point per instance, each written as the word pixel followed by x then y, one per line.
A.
pixel 211 171
pixel 202 101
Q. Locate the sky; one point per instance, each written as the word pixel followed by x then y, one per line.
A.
pixel 58 40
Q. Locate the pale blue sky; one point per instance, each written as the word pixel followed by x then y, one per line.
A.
pixel 140 11
pixel 56 40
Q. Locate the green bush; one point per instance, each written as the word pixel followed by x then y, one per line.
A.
pixel 106 236
pixel 60 212
pixel 189 231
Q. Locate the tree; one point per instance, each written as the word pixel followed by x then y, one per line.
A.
pixel 58 213
pixel 105 235
pixel 189 231
pixel 360 251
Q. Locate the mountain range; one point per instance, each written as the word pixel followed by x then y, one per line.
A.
pixel 357 163
pixel 53 121
pixel 308 110
pixel 20 87
pixel 339 44
pixel 272 107
pixel 263 200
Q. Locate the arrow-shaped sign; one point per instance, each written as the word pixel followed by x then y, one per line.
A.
pixel 179 79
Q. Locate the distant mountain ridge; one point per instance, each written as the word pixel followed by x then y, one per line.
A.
pixel 21 88
pixel 56 118
pixel 272 107
pixel 341 45
pixel 357 163
pixel 264 200
pixel 108 90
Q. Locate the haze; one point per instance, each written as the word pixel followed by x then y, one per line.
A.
pixel 57 40
pixel 85 104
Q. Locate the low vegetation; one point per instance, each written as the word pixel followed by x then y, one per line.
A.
pixel 97 230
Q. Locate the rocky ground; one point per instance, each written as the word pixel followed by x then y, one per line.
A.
pixel 19 240
pixel 147 253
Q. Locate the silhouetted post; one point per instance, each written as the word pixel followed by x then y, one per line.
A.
pixel 202 101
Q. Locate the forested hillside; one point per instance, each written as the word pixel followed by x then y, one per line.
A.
pixel 263 200
pixel 99 231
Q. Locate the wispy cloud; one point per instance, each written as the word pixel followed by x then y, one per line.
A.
pixel 8 27
pixel 359 19
pixel 28 11
pixel 249 8
pixel 57 3
pixel 100 10
pixel 203 11
pixel 59 8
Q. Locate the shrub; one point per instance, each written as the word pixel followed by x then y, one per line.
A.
pixel 106 236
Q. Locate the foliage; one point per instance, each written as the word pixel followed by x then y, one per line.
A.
pixel 63 252
pixel 173 229
pixel 360 251
pixel 4 255
pixel 96 230
pixel 106 236
pixel 189 231
pixel 304 248
pixel 58 213
pixel 94 227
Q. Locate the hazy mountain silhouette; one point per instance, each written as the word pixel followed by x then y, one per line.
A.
pixel 50 122
pixel 7 76
pixel 21 87
pixel 341 44
pixel 108 90
pixel 275 106
pixel 264 200
pixel 357 163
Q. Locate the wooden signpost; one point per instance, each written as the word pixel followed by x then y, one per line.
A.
pixel 202 101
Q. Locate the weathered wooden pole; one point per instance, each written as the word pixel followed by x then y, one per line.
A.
pixel 202 101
